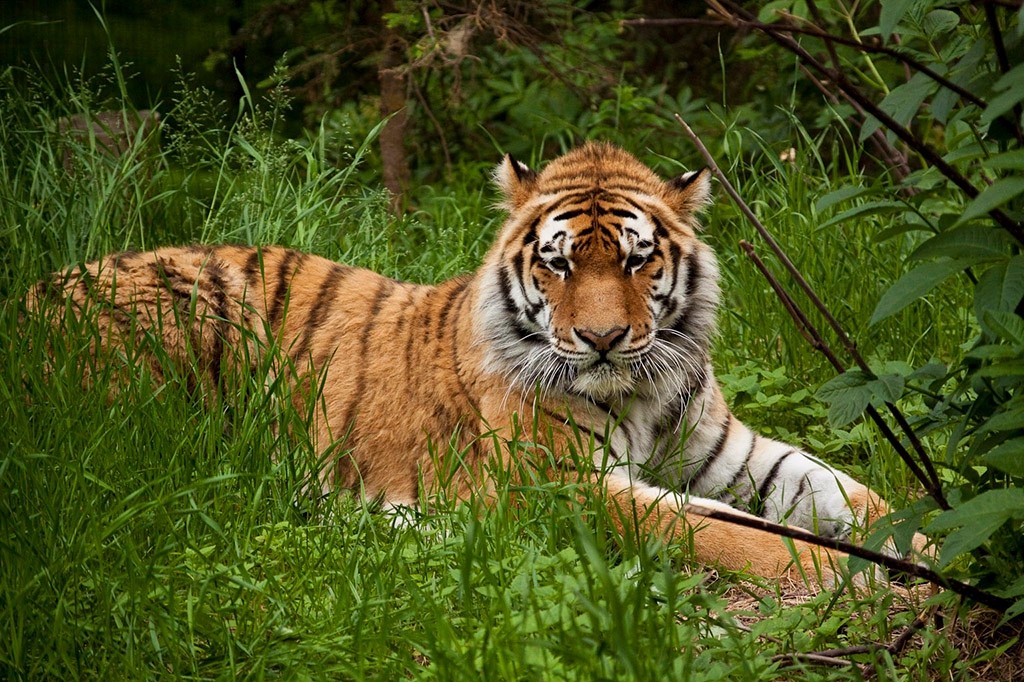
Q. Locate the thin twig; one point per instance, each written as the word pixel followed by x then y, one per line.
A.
pixel 893 564
pixel 930 479
pixel 816 659
pixel 838 657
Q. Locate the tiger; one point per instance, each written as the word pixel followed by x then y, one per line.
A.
pixel 588 326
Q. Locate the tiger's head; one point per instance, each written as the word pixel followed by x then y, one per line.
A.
pixel 596 284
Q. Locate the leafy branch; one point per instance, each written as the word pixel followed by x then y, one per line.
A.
pixel 781 36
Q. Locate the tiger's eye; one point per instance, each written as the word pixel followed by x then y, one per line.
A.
pixel 558 264
pixel 635 262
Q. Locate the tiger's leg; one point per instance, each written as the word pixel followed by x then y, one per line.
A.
pixel 641 509
pixel 783 484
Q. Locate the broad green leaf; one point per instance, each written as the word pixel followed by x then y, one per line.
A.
pixel 1010 368
pixel 976 520
pixel 1008 457
pixel 913 285
pixel 993 196
pixel 943 102
pixel 1010 419
pixel 869 208
pixel 973 241
pixel 887 388
pixel 847 395
pixel 1007 325
pixel 895 231
pixel 902 102
pixel 1006 161
pixel 1000 104
pixel 940 21
pixel 1000 288
pixel 1013 84
pixel 930 372
pixel 993 352
pixel 891 14
pixel 840 195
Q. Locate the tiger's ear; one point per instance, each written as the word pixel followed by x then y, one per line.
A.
pixel 691 192
pixel 516 181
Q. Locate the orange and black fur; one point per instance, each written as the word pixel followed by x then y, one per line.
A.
pixel 591 318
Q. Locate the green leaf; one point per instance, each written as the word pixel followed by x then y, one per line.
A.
pixel 895 231
pixel 1006 161
pixel 848 395
pixel 976 520
pixel 913 285
pixel 902 103
pixel 930 372
pixel 1010 419
pixel 940 21
pixel 1011 368
pixel 1000 288
pixel 1008 457
pixel 869 208
pixel 1012 82
pixel 1007 325
pixel 887 388
pixel 891 14
pixel 840 195
pixel 993 196
pixel 973 241
pixel 999 105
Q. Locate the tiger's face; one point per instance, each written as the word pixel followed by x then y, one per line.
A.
pixel 598 285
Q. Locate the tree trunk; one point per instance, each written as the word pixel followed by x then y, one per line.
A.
pixel 393 104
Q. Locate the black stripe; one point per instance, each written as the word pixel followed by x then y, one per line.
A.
pixel 531 232
pixel 800 489
pixel 613 419
pixel 284 275
pixel 735 480
pixel 599 438
pixel 410 311
pixel 715 452
pixel 215 272
pixel 456 361
pixel 323 300
pixel 569 215
pixel 692 274
pixel 385 290
pixel 659 228
pixel 505 288
pixel 253 264
pixel 766 485
pixel 453 295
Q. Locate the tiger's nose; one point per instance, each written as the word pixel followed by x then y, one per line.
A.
pixel 602 340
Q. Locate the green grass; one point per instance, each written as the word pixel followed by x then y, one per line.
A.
pixel 149 535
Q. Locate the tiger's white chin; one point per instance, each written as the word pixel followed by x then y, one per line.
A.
pixel 603 381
